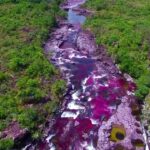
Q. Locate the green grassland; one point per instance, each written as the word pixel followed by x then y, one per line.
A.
pixel 30 86
pixel 123 26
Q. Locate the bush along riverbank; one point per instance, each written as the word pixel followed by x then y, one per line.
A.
pixel 30 87
pixel 123 27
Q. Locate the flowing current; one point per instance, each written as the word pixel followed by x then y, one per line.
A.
pixel 99 110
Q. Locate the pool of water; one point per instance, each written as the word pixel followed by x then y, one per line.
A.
pixel 75 18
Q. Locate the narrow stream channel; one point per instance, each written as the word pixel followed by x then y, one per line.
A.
pixel 99 111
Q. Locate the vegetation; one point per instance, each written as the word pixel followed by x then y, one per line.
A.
pixel 27 79
pixel 124 28
pixel 6 144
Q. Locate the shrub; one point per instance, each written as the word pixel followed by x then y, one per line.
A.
pixel 29 118
pixel 2 125
pixel 3 76
pixel 3 113
pixel 30 91
pixel 35 1
pixel 31 95
pixel 17 64
pixel 58 88
pixel 14 1
pixel 41 67
pixel 142 92
pixel 25 82
pixel 6 144
pixel 51 106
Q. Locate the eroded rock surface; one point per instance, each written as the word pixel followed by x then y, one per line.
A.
pixel 14 131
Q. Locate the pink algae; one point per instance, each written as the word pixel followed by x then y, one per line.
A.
pixel 90 81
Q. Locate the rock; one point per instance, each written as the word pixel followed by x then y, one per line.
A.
pixel 2 135
pixel 14 131
pixel 145 116
pixel 85 42
pixel 124 123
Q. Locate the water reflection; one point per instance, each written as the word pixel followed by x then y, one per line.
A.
pixel 75 18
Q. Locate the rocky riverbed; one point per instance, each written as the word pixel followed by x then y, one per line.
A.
pixel 99 110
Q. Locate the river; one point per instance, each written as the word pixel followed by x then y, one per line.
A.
pixel 99 110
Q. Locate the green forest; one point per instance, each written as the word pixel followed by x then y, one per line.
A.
pixel 123 27
pixel 26 77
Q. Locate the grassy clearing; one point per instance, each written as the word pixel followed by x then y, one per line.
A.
pixel 124 28
pixel 27 79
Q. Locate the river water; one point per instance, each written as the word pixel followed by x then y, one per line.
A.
pixel 74 18
pixel 99 110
